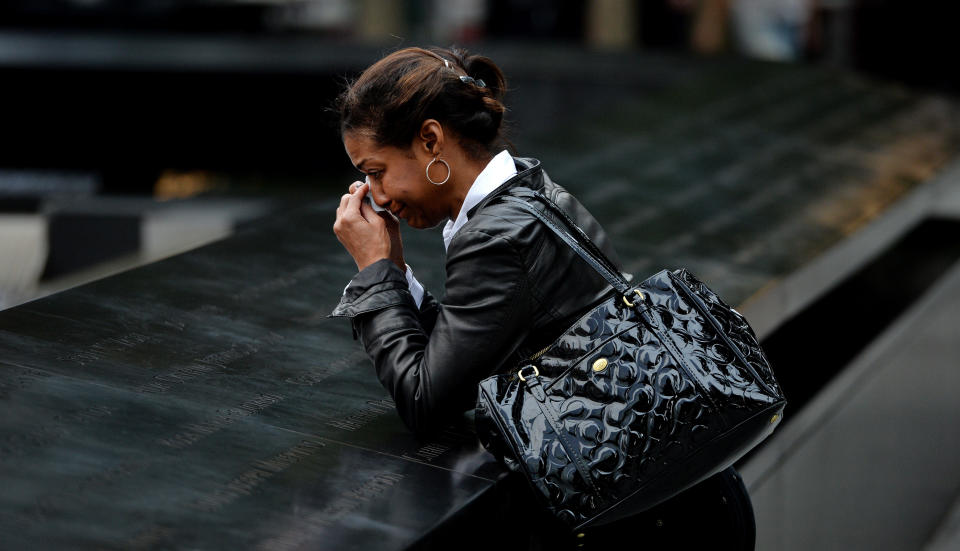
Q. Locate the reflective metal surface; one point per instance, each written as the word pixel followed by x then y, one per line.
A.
pixel 206 402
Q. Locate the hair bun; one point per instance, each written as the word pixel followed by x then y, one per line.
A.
pixel 483 68
pixel 391 98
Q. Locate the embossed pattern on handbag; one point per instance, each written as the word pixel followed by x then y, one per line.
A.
pixel 652 391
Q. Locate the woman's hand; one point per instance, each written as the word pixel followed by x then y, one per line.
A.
pixel 367 235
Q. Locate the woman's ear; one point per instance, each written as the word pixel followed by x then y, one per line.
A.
pixel 431 137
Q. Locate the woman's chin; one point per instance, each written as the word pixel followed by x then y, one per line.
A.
pixel 422 223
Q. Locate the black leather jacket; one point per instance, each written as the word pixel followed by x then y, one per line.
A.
pixel 512 287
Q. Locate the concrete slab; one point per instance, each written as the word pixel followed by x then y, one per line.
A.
pixel 874 460
pixel 23 250
pixel 947 535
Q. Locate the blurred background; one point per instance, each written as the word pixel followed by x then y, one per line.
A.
pixel 116 113
pixel 799 155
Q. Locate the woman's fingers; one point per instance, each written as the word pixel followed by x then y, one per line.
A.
pixel 359 192
pixel 356 199
pixel 356 220
pixel 343 203
pixel 350 202
pixel 360 230
pixel 370 215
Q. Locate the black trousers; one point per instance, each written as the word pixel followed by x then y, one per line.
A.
pixel 715 514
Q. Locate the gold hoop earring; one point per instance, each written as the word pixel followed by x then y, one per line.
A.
pixel 435 160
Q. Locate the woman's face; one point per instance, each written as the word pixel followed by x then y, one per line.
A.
pixel 397 180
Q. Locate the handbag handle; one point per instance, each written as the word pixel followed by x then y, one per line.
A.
pixel 584 247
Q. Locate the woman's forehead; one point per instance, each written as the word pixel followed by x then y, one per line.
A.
pixel 360 148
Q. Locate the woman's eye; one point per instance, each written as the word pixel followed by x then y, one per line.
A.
pixel 375 175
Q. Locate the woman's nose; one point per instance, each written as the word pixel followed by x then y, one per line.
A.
pixel 376 193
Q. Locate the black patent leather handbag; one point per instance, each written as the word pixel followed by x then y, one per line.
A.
pixel 648 393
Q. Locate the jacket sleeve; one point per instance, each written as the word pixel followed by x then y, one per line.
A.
pixel 378 286
pixel 429 310
pixel 433 375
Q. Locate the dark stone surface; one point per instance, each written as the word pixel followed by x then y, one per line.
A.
pixel 741 172
pixel 207 401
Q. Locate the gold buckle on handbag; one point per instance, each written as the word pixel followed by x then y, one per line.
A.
pixel 639 294
pixel 536 372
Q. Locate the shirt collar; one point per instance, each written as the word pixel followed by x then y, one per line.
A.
pixel 500 169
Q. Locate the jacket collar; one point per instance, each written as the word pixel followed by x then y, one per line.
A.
pixel 529 174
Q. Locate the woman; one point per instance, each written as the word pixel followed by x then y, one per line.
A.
pixel 424 126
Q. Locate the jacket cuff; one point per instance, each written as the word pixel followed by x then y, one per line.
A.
pixel 378 286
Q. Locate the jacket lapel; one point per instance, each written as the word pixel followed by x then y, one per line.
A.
pixel 529 174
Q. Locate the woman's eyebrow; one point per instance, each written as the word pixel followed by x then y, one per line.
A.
pixel 361 163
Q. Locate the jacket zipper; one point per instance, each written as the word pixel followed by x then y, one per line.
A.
pixel 540 353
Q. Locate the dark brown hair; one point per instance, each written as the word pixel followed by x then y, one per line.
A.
pixel 393 97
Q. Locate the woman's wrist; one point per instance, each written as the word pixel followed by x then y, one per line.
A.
pixel 367 261
pixel 398 260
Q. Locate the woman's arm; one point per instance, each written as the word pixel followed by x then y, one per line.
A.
pixel 428 306
pixel 434 374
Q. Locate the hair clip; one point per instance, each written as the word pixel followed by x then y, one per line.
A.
pixel 479 83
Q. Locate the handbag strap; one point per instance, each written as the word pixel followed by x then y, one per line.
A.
pixel 584 246
pixel 535 388
pixel 582 237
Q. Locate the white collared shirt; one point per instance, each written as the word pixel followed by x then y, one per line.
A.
pixel 500 169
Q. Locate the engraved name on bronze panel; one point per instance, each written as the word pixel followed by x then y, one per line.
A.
pixel 320 374
pixel 206 364
pixel 105 347
pixel 192 432
pixel 359 418
pixel 279 283
pixel 261 470
pixel 445 441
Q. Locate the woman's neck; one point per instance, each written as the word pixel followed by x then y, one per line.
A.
pixel 465 174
